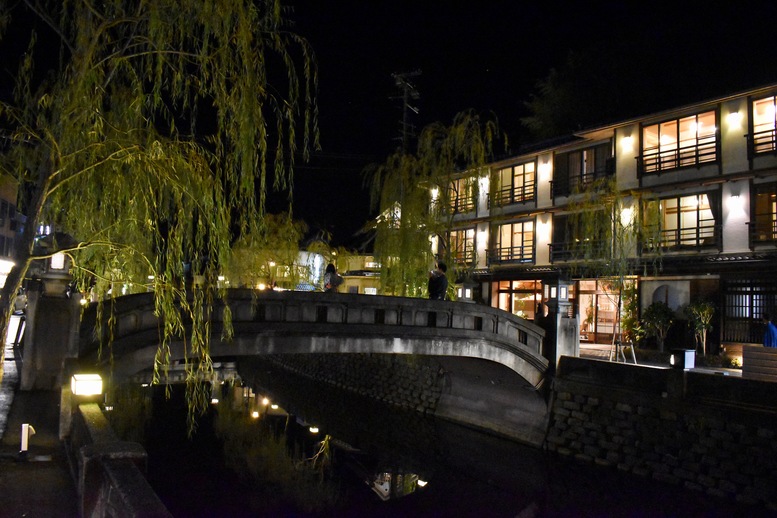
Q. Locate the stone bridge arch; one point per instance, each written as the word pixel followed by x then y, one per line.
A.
pixel 270 322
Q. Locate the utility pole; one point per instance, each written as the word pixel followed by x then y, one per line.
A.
pixel 408 92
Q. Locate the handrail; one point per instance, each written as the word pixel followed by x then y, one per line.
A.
pixel 291 314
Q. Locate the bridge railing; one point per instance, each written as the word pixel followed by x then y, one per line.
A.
pixel 304 313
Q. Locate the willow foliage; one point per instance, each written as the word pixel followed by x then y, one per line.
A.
pixel 612 228
pixel 401 189
pixel 154 135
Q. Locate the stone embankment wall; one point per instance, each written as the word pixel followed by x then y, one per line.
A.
pixel 705 431
pixel 409 382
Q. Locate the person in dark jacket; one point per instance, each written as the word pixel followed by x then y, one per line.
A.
pixel 438 282
pixel 332 279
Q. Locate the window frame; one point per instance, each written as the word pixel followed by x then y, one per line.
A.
pixel 572 170
pixel 763 232
pixel 461 194
pixel 506 254
pixel 683 236
pixel 678 150
pixel 513 193
pixel 762 136
pixel 462 251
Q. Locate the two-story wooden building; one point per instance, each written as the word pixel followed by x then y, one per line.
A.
pixel 710 167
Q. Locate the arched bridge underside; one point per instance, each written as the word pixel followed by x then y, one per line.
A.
pixel 289 322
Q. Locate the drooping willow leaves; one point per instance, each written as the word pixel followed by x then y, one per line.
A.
pixel 151 133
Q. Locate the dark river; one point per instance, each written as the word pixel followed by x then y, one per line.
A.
pixel 374 461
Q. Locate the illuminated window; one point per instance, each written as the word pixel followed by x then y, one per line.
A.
pixel 514 242
pixel 690 221
pixel 576 169
pixel 519 297
pixel 462 245
pixel 764 114
pixel 462 195
pixel 763 228
pixel 515 184
pixel 684 142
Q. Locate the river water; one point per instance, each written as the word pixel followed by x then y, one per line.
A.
pixel 384 462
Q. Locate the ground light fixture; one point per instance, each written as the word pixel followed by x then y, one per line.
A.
pixel 683 359
pixel 86 384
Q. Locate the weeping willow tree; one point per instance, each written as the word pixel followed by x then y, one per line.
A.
pixel 268 255
pixel 151 133
pixel 413 200
pixel 611 228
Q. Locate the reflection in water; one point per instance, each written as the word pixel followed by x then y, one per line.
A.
pixel 326 452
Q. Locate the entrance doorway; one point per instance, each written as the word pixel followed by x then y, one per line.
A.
pixel 598 311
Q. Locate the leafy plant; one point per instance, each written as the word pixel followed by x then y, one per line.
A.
pixel 700 315
pixel 606 227
pixel 413 198
pixel 658 318
pixel 151 138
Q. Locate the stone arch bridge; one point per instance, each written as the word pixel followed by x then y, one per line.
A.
pixel 495 357
pixel 270 322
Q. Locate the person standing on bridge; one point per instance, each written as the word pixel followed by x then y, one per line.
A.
pixel 770 333
pixel 438 282
pixel 332 279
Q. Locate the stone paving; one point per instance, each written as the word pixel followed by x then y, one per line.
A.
pixel 38 483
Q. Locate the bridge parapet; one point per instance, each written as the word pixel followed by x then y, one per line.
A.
pixel 294 322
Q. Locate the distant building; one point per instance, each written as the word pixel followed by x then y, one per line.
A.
pixel 710 166
pixel 361 275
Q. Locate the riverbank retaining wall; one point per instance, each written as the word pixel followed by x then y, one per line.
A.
pixel 409 382
pixel 705 431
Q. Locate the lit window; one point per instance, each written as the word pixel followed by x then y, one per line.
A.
pixel 764 113
pixel 515 184
pixel 688 141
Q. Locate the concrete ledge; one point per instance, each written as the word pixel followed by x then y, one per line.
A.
pixel 109 473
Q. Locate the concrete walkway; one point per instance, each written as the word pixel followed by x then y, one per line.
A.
pixel 38 484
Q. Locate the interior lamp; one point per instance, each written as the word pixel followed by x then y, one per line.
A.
pixel 86 384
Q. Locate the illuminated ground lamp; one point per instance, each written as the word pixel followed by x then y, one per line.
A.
pixel 683 359
pixel 313 429
pixel 214 393
pixel 86 385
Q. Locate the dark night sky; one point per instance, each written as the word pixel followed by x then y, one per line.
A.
pixel 489 56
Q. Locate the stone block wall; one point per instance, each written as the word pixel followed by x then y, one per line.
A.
pixel 706 432
pixel 410 382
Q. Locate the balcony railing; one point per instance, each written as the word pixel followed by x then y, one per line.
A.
pixel 462 204
pixel 466 256
pixel 763 232
pixel 513 194
pixel 654 160
pixel 591 250
pixel 762 142
pixel 705 236
pixel 568 185
pixel 512 254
